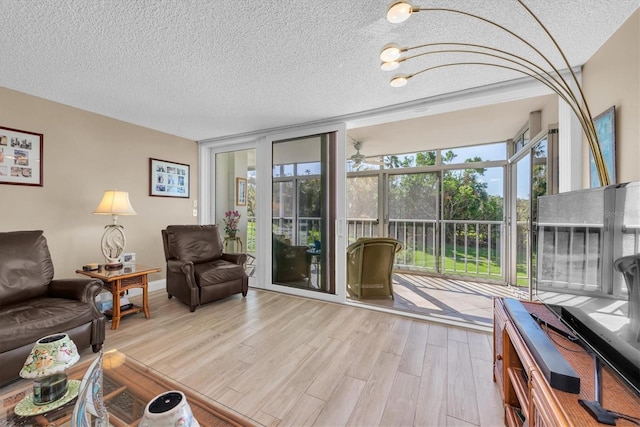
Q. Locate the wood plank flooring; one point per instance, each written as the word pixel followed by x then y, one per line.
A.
pixel 283 360
pixel 288 361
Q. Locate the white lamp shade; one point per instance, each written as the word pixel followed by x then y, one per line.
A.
pixel 399 80
pixel 399 12
pixel 389 66
pixel 115 203
pixel 391 52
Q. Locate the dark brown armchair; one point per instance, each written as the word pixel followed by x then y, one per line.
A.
pixel 291 264
pixel 370 267
pixel 33 304
pixel 198 271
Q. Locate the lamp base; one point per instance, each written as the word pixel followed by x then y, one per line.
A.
pixel 113 266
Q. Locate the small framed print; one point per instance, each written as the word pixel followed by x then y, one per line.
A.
pixel 129 258
pixel 168 179
pixel 20 157
pixel 241 192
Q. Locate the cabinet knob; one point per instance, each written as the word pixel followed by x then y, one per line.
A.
pixel 498 357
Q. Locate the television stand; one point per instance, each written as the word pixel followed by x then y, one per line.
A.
pixel 594 407
pixel 526 393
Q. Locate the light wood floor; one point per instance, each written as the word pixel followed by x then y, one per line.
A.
pixel 283 360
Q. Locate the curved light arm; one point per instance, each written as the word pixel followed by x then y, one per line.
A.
pixel 557 81
pixel 562 83
pixel 592 139
pixel 402 10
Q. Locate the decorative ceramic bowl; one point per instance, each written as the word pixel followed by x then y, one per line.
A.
pixel 169 409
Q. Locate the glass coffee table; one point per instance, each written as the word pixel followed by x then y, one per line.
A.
pixel 128 386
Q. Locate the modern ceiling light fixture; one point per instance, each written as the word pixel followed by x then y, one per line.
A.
pixel 391 56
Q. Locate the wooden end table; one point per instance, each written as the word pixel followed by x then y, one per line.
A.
pixel 119 281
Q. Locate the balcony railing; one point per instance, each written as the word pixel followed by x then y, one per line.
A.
pixel 468 248
pixel 465 248
pixel 577 257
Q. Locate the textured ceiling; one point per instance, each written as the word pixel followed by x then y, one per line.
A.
pixel 204 69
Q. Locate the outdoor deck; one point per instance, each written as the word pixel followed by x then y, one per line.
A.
pixel 442 299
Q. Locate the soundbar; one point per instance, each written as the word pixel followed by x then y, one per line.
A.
pixel 553 365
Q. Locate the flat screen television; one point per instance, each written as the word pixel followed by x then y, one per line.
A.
pixel 588 267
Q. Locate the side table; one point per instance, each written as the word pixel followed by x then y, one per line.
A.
pixel 315 255
pixel 119 281
pixel 236 241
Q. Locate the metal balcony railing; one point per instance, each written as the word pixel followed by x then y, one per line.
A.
pixel 466 248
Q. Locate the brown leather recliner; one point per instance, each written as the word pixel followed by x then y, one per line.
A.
pixel 198 271
pixel 34 305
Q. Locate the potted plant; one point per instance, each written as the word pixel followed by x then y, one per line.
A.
pixel 231 220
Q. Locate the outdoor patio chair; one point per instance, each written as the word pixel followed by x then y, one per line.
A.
pixel 370 267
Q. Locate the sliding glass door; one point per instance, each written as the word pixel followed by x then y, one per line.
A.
pixel 234 202
pixel 303 212
pixel 532 175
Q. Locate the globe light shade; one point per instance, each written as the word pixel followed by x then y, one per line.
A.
pixel 399 80
pixel 399 12
pixel 389 66
pixel 390 53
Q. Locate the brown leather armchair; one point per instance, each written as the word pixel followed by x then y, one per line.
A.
pixel 198 271
pixel 370 266
pixel 291 264
pixel 34 305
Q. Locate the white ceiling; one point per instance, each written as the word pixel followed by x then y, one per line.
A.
pixel 205 69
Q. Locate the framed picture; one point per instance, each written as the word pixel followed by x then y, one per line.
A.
pixel 168 179
pixel 241 192
pixel 129 258
pixel 20 157
pixel 606 129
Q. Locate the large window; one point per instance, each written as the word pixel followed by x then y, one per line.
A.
pixel 446 207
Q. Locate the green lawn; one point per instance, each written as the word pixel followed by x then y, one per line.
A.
pixel 454 262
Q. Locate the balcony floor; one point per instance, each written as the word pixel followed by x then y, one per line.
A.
pixel 462 302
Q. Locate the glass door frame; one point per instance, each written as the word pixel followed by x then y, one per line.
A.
pixel 511 222
pixel 264 162
pixel 206 207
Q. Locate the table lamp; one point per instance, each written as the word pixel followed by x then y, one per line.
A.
pixel 47 364
pixel 114 203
